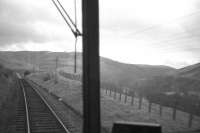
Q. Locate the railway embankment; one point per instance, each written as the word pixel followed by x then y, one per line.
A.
pixel 8 99
pixel 71 93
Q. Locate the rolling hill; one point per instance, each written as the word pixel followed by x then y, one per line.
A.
pixel 111 71
pixel 192 71
pixel 128 74
pixel 185 80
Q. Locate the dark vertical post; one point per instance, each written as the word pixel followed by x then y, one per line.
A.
pixel 110 93
pixel 150 104
pixel 125 99
pixel 75 56
pixel 91 72
pixel 132 100
pixel 132 97
pixel 115 93
pixel 120 96
pixel 56 77
pixel 174 113
pixel 190 120
pixel 140 102
pixel 160 109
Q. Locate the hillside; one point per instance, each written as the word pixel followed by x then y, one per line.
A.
pixel 43 60
pixel 127 74
pixel 192 71
pixel 8 99
pixel 115 109
pixel 185 80
pixel 111 71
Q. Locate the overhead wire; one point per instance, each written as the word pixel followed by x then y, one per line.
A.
pixel 77 33
pixel 76 37
pixel 68 16
pixel 75 56
pixel 64 18
pixel 71 24
pixel 74 29
pixel 66 12
pixel 174 39
pixel 155 26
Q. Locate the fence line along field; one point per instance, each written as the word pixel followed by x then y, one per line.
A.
pixel 135 109
pixel 190 117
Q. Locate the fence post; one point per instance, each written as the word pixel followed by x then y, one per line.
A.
pixel 140 102
pixel 115 93
pixel 174 113
pixel 125 100
pixel 110 92
pixel 132 99
pixel 160 109
pixel 120 96
pixel 150 104
pixel 190 120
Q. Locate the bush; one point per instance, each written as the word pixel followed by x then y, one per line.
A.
pixel 7 101
pixel 1 66
pixel 47 77
pixel 26 73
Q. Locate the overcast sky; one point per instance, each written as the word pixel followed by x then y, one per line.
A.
pixel 156 32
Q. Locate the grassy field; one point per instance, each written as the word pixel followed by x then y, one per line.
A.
pixel 182 118
pixel 113 110
pixel 7 100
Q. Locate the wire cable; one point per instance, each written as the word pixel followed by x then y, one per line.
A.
pixel 75 56
pixel 74 32
pixel 75 15
pixel 155 26
pixel 74 29
pixel 66 13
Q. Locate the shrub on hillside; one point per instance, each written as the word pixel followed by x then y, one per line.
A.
pixel 47 77
pixel 1 66
pixel 7 100
pixel 27 73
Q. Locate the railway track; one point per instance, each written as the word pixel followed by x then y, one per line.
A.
pixel 21 121
pixel 34 114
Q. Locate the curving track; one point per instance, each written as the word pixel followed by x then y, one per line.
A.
pixel 34 114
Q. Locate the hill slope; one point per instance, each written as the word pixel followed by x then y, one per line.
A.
pixel 185 80
pixel 111 71
pixel 192 71
pixel 128 74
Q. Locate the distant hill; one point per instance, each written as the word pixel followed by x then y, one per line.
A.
pixel 185 80
pixel 144 77
pixel 44 60
pixel 111 71
pixel 192 71
pixel 128 74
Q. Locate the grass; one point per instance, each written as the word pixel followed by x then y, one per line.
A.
pixel 7 100
pixel 113 110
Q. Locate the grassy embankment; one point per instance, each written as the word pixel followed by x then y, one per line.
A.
pixel 112 110
pixel 7 100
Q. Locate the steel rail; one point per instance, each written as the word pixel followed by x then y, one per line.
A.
pixel 26 107
pixel 49 107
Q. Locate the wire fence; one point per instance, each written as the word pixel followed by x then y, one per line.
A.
pixel 152 103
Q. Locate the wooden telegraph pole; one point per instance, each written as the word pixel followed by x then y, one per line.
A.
pixel 56 76
pixel 91 75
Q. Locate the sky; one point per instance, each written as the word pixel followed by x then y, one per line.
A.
pixel 155 32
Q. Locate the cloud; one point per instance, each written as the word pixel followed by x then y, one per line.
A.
pixel 140 31
pixel 30 21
